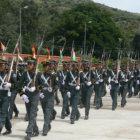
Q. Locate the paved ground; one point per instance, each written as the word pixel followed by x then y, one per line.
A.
pixel 104 124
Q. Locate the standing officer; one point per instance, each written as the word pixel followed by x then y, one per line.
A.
pixel 4 97
pixel 31 96
pixel 73 91
pixel 49 87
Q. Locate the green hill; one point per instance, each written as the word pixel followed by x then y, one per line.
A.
pixel 44 14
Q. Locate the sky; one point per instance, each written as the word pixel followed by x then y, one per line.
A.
pixel 127 5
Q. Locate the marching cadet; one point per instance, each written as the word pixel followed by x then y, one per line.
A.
pixel 124 77
pixel 131 81
pixel 87 88
pixel 62 75
pixel 136 80
pixel 55 65
pixel 31 96
pixel 49 87
pixel 114 85
pixel 5 97
pixel 73 91
pixel 99 87
pixel 14 92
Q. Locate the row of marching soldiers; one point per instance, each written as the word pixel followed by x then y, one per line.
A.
pixel 75 83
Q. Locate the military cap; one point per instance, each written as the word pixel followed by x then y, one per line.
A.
pixel 45 63
pixel 3 62
pixel 29 59
pixel 114 64
pixel 74 62
pixel 85 61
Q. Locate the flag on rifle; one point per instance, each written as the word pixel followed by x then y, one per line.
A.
pixel 61 56
pixel 33 50
pixel 73 55
pixel 2 47
pixel 48 54
pixel 19 54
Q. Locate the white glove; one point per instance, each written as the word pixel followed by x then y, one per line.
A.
pixel 97 83
pixel 132 76
pixel 69 94
pixel 63 83
pixel 50 89
pixel 126 80
pixel 77 87
pixel 89 83
pixel 138 82
pixel 24 89
pixel 32 89
pixel 25 98
pixel 116 81
pixel 7 85
pixel 42 95
pixel 109 86
pixel 101 80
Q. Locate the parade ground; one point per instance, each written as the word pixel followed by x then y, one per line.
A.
pixel 103 124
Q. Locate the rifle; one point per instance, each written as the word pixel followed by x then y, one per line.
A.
pixel 128 54
pixel 91 54
pixel 119 63
pixel 37 60
pixel 79 66
pixel 12 62
pixel 62 53
pixel 108 60
pixel 50 84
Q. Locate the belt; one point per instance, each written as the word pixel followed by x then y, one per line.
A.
pixel 70 84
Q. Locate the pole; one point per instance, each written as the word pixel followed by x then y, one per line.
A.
pixel 85 39
pixel 20 34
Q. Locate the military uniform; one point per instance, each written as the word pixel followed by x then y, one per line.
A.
pixel 114 87
pixel 99 87
pixel 73 92
pixel 130 83
pixel 87 88
pixel 14 92
pixel 123 80
pixel 47 97
pixel 62 75
pixel 136 81
pixel 31 97
pixel 4 99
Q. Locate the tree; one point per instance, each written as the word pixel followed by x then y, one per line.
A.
pixel 101 29
pixel 136 42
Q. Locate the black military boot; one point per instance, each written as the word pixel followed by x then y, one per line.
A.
pixel 86 117
pixel 28 137
pixel 26 117
pixel 72 122
pixel 0 130
pixel 44 134
pixel 54 115
pixel 7 132
pixel 16 114
pixel 77 117
pixel 130 95
pixel 35 134
pixel 62 117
